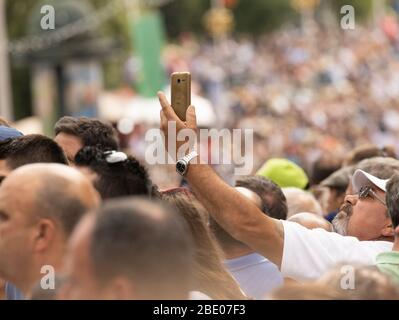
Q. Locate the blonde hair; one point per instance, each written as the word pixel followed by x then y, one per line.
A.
pixel 211 277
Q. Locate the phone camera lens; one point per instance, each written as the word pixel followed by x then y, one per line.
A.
pixel 178 80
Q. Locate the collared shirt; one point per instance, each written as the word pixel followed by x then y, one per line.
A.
pixel 388 263
pixel 256 275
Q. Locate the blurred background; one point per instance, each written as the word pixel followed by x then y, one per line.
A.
pixel 286 68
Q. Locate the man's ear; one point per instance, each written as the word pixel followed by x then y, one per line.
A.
pixel 388 231
pixel 45 234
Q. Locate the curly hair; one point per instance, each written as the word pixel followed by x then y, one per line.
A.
pixel 92 132
pixel 124 178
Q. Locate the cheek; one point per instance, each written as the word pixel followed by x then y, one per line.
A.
pixel 366 222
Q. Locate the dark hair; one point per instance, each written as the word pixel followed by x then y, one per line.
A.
pixel 210 275
pixel 339 180
pixel 324 167
pixel 147 243
pixel 92 132
pixel 124 178
pixel 33 148
pixel 274 204
pixel 392 199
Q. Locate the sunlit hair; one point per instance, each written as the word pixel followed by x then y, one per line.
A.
pixel 368 283
pixel 392 199
pixel 211 277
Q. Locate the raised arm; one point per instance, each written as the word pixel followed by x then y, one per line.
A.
pixel 237 215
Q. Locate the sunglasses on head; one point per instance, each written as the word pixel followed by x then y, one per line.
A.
pixel 367 191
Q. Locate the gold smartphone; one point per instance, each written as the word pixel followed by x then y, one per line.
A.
pixel 181 93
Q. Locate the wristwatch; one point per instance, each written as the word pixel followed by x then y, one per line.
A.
pixel 183 163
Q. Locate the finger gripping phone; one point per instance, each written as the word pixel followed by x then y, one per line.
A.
pixel 181 93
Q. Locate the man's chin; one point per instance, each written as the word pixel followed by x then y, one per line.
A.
pixel 340 223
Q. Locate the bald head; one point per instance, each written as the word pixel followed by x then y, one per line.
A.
pixel 130 249
pixel 40 204
pixel 51 191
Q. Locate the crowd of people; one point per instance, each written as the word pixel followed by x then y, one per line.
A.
pixel 327 90
pixel 317 219
pixel 92 224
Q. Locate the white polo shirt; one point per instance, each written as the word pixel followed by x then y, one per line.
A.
pixel 308 254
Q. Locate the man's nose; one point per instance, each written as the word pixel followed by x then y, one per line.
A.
pixel 351 198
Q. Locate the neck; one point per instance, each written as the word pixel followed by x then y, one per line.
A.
pixel 44 267
pixel 236 252
pixel 396 244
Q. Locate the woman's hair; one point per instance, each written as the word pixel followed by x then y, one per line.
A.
pixel 118 175
pixel 211 277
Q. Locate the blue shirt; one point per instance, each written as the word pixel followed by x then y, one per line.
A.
pixel 12 293
pixel 256 275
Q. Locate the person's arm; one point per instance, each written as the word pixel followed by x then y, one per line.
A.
pixel 234 212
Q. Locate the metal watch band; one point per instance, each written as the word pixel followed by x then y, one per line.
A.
pixel 190 156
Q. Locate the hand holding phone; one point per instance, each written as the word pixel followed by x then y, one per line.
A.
pixel 181 93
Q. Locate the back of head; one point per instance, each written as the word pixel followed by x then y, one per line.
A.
pixel 210 275
pixel 305 291
pixel 301 201
pixel 366 283
pixel 28 149
pixel 339 180
pixel 147 244
pixel 274 203
pixel 368 151
pixel 58 192
pixel 116 177
pixel 323 167
pixel 392 199
pixel 92 132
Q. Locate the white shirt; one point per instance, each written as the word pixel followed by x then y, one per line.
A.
pixel 308 254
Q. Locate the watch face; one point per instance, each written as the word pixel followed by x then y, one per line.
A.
pixel 181 167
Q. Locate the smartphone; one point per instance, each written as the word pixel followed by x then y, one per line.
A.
pixel 181 93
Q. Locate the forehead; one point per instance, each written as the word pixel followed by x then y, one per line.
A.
pixel 17 197
pixel 70 143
